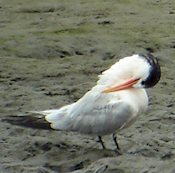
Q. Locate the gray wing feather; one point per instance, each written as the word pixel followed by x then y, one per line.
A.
pixel 103 120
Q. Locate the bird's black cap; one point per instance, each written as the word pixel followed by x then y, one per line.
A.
pixel 155 71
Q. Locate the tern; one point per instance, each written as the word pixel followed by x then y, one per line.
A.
pixel 114 103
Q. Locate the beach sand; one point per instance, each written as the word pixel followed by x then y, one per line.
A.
pixel 51 53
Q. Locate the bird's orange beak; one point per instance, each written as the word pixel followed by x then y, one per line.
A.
pixel 126 85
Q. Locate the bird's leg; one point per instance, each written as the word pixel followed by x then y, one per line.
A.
pixel 115 141
pixel 101 142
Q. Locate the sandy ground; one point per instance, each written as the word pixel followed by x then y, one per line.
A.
pixel 51 52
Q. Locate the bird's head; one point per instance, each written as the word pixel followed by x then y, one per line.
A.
pixel 137 71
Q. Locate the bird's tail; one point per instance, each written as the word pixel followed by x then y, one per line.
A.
pixel 55 119
pixel 59 119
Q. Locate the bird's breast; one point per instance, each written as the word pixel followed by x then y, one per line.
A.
pixel 137 98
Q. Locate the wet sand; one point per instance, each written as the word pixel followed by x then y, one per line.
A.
pixel 51 53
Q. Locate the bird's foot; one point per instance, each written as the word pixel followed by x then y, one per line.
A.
pixel 118 152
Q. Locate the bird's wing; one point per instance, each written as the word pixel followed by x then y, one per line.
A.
pixel 31 121
pixel 102 116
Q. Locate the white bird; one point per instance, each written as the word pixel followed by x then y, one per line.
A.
pixel 114 103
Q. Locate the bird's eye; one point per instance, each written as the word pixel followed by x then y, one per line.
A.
pixel 143 82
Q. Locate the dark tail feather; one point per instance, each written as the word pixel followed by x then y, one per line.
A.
pixel 28 121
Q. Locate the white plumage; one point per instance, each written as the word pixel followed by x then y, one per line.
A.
pixel 113 104
pixel 103 113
